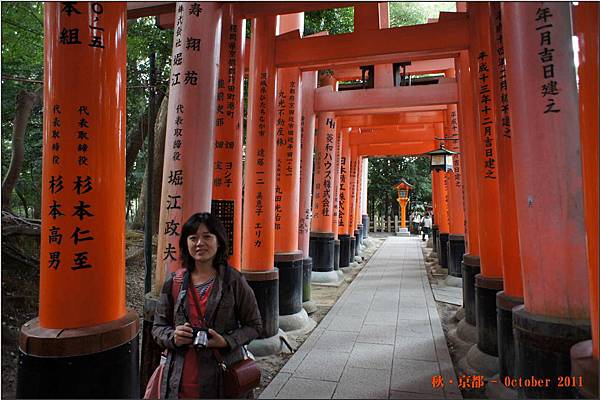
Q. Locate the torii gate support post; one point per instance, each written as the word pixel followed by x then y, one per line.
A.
pixel 321 235
pixel 344 197
pixel 471 261
pixel 364 197
pixel 357 213
pixel 351 221
pixel 307 144
pixel 584 355
pixel 512 295
pixel 188 147
pixel 436 192
pixel 336 201
pixel 259 194
pixel 227 165
pixel 543 95
pixel 442 218
pixel 456 214
pixel 84 342
pixel 288 259
pixel 489 281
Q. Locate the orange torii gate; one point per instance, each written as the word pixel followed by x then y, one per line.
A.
pixel 507 67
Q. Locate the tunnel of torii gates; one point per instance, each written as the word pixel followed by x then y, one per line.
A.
pixel 516 218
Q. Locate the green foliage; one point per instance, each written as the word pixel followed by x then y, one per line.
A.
pixel 385 173
pixel 413 13
pixel 334 21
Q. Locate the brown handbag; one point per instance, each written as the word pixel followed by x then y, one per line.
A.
pixel 238 378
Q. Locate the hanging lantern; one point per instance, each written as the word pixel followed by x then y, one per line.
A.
pixel 441 159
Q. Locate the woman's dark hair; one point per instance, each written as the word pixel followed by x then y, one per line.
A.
pixel 214 226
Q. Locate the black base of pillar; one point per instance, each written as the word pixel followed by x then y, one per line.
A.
pixel 506 339
pixel 435 234
pixel 290 282
pixel 352 248
pixel 542 351
pixel 456 250
pixel 150 356
pixel 443 254
pixel 359 228
pixel 585 366
pixel 336 254
pixel 95 362
pixel 321 250
pixel 365 224
pixel 470 268
pixel 357 242
pixel 306 273
pixel 266 290
pixel 344 251
pixel 485 304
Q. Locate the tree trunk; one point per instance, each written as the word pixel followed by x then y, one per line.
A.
pixel 25 102
pixel 135 139
pixel 160 130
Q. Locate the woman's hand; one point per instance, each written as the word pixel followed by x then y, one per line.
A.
pixel 183 335
pixel 216 339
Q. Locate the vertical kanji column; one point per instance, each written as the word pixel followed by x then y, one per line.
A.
pixel 190 133
pixel 357 221
pixel 288 259
pixel 512 294
pixel 336 202
pixel 456 214
pixel 363 200
pixel 545 125
pixel 227 164
pixel 466 120
pixel 307 144
pixel 351 200
pixel 584 355
pixel 82 319
pixel 259 193
pixel 489 281
pixel 321 235
pixel 442 215
pixel 344 199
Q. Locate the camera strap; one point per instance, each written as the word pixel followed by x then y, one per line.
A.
pixel 196 301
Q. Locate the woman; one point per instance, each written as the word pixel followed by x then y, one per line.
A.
pixel 216 297
pixel 427 224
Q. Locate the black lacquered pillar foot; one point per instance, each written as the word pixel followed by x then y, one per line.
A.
pixel 265 285
pixel 344 251
pixel 356 242
pixel 506 339
pixel 360 237
pixel 290 282
pixel 321 250
pixel 150 356
pixel 443 247
pixel 470 268
pixel 306 275
pixel 365 224
pixel 336 255
pixel 485 304
pixel 542 350
pixel 100 361
pixel 456 250
pixel 435 235
pixel 352 248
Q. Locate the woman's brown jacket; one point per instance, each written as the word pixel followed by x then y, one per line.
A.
pixel 231 310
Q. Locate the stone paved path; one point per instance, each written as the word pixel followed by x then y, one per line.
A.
pixel 382 339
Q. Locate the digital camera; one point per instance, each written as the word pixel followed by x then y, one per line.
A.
pixel 201 337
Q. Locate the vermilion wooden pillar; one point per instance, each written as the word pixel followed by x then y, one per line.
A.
pixel 82 320
pixel 336 200
pixel 352 203
pixel 344 200
pixel 365 186
pixel 584 355
pixel 471 262
pixel 307 144
pixel 456 214
pixel 489 281
pixel 357 214
pixel 442 215
pixel 259 193
pixel 544 112
pixel 227 165
pixel 189 142
pixel 288 259
pixel 322 236
pixel 512 295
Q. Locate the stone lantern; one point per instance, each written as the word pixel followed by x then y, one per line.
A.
pixel 403 189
